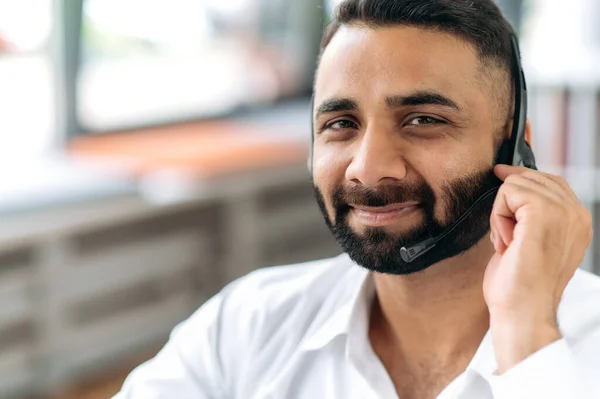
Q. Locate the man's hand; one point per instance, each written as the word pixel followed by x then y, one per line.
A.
pixel 540 232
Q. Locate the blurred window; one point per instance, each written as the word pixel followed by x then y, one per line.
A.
pixel 145 62
pixel 562 43
pixel 26 79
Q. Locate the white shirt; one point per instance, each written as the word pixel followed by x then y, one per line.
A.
pixel 301 332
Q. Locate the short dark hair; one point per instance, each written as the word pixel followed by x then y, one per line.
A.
pixel 479 22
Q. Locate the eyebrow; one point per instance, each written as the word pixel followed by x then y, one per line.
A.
pixel 337 104
pixel 422 98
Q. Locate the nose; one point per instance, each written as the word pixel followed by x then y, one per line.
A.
pixel 377 160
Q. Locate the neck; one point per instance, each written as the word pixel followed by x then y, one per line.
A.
pixel 439 311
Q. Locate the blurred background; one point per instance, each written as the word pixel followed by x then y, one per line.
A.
pixel 153 151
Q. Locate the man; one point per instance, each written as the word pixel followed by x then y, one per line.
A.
pixel 412 100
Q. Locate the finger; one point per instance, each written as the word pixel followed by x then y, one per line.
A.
pixel 554 182
pixel 544 187
pixel 560 181
pixel 512 199
pixel 503 171
pixel 503 231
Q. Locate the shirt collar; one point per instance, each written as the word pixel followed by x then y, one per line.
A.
pixel 344 307
pixel 484 362
pixel 347 309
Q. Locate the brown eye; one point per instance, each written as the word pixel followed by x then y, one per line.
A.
pixel 424 120
pixel 341 124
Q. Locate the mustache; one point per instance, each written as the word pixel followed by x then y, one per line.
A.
pixel 383 196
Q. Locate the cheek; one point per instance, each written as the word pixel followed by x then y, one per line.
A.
pixel 329 172
pixel 437 168
pixel 441 169
pixel 456 158
pixel 329 167
pixel 467 158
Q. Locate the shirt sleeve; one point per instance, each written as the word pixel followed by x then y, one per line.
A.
pixel 550 373
pixel 188 367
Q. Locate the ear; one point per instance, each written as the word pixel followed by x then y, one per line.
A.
pixel 528 133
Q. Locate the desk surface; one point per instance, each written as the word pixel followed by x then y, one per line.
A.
pixel 205 148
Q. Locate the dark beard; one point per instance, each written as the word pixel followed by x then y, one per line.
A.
pixel 379 251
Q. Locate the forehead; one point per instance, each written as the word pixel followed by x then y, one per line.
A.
pixel 370 63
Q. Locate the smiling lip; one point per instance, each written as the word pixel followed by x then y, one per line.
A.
pixel 382 216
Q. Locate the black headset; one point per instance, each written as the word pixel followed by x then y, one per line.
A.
pixel 516 150
pixel 513 151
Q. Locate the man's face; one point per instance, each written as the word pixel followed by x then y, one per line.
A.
pixel 406 132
